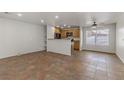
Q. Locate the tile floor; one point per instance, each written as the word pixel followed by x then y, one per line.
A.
pixel 85 65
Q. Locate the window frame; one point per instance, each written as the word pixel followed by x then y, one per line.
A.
pixel 96 36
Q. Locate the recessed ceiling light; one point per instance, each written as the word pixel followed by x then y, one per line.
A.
pixel 19 14
pixel 42 21
pixel 56 17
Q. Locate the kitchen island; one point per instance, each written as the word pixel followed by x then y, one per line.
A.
pixel 62 46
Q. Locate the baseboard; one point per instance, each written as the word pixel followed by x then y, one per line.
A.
pixel 19 54
pixel 98 51
pixel 120 57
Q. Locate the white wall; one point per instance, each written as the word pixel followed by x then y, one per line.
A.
pixel 50 32
pixel 17 37
pixel 112 40
pixel 81 38
pixel 62 46
pixel 120 37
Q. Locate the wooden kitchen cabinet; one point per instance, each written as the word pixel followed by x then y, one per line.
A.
pixel 76 45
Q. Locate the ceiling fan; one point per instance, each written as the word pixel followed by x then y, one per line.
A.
pixel 94 24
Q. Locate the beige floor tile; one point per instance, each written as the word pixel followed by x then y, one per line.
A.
pixel 84 65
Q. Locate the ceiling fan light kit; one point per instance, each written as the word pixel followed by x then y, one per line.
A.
pixel 94 25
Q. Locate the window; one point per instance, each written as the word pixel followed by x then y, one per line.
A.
pixel 97 37
pixel 102 37
pixel 90 37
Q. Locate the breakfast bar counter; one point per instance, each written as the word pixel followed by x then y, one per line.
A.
pixel 62 46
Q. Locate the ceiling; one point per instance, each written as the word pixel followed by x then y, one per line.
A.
pixel 68 18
